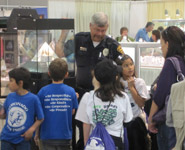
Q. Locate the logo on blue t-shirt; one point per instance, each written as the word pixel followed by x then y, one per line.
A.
pixel 16 117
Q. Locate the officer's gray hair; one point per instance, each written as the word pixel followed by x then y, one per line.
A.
pixel 100 19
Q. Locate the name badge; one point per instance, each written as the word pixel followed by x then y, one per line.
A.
pixel 83 49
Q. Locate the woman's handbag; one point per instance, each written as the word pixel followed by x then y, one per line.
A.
pixel 160 116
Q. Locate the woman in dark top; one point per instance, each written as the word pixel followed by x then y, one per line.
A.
pixel 172 44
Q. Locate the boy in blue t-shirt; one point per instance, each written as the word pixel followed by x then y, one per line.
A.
pixel 20 109
pixel 59 102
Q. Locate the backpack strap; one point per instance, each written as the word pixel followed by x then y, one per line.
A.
pixel 176 65
pixel 96 112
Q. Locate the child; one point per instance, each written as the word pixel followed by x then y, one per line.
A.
pixel 59 102
pixel 109 94
pixel 138 94
pixel 20 109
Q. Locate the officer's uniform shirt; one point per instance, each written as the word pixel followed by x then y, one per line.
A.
pixel 87 56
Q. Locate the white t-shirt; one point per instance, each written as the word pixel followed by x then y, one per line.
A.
pixel 118 112
pixel 142 91
pixel 95 43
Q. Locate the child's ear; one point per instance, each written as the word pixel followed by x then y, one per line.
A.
pixel 67 73
pixel 48 73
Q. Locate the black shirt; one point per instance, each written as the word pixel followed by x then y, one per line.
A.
pixel 87 56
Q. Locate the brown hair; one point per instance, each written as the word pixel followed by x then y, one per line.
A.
pixel 123 29
pixel 58 69
pixel 157 34
pixel 176 41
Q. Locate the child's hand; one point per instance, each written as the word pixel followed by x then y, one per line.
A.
pixel 131 82
pixel 152 128
pixel 77 95
pixel 28 134
pixel 36 139
pixel 155 87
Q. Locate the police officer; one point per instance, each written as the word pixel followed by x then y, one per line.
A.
pixel 90 48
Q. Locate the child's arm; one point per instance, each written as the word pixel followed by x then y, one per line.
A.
pixel 77 95
pixel 36 138
pixel 86 129
pixel 2 113
pixel 29 133
pixel 138 99
pixel 73 111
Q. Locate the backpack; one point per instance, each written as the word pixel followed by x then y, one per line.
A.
pixel 100 139
pixel 160 116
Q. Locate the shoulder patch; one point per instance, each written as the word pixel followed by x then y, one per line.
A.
pixel 120 50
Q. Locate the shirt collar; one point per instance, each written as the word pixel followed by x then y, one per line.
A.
pixel 144 29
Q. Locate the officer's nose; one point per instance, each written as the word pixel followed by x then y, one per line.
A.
pixel 99 33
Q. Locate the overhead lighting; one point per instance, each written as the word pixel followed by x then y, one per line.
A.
pixel 166 12
pixel 177 12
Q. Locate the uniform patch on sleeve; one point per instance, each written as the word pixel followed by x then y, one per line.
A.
pixel 120 50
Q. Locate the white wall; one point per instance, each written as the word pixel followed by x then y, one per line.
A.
pixel 133 14
pixel 138 17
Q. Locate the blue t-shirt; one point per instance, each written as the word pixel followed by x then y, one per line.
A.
pixel 20 115
pixel 58 101
pixel 142 34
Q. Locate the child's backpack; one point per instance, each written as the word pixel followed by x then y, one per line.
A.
pixel 100 138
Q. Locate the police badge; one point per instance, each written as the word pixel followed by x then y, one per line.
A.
pixel 105 52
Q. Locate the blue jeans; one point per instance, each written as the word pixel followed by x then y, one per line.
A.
pixel 166 138
pixel 24 145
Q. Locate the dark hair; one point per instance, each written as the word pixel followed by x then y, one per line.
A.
pixel 157 34
pixel 110 86
pixel 149 24
pixel 58 69
pixel 160 28
pixel 122 60
pixel 176 41
pixel 123 29
pixel 21 74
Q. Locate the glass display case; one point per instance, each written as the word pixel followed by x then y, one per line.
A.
pixel 35 44
pixel 147 58
pixel 169 22
pixel 8 56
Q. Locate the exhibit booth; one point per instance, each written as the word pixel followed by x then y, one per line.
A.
pixel 26 40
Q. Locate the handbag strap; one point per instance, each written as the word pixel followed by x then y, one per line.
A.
pixel 96 112
pixel 176 65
